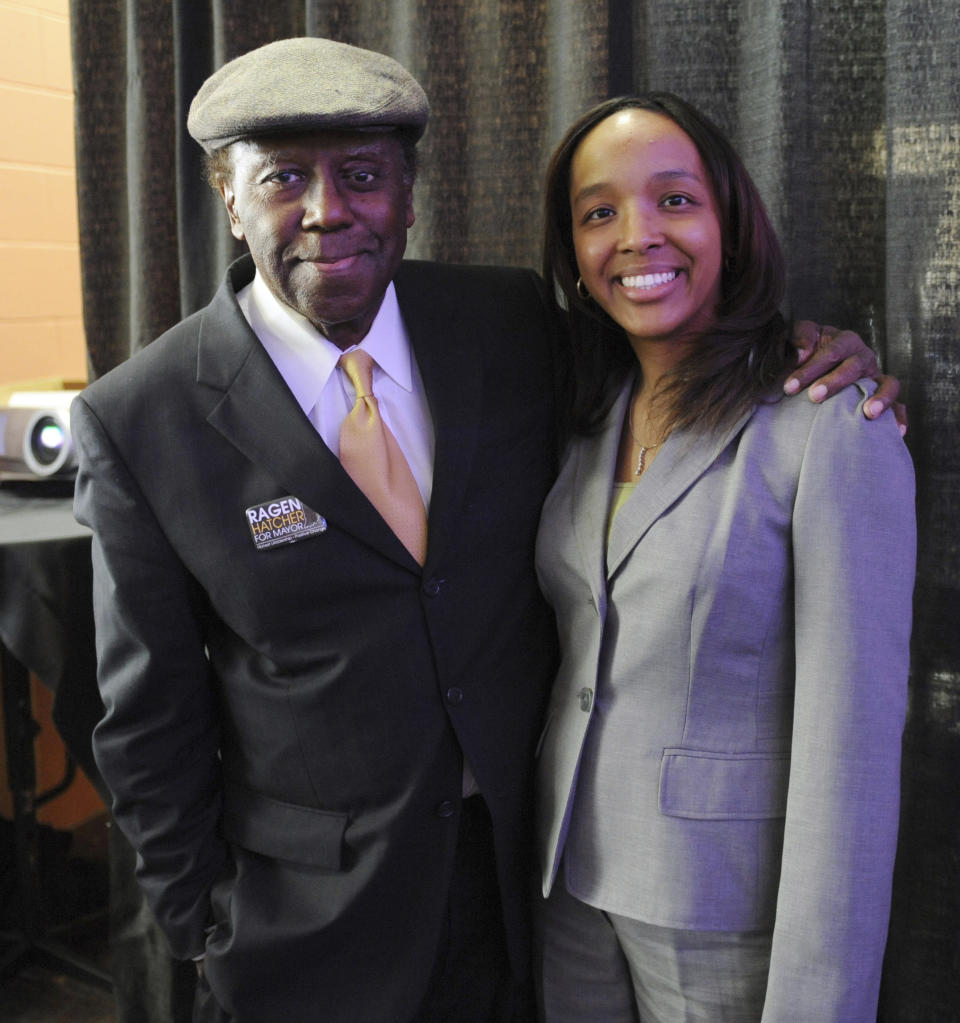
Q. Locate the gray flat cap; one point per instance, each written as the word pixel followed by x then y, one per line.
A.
pixel 305 84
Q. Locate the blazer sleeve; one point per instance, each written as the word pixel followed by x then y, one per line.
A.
pixel 157 744
pixel 854 560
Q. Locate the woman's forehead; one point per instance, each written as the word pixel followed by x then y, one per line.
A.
pixel 636 140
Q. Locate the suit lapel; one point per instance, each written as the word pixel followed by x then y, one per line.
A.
pixel 261 418
pixel 682 460
pixel 449 360
pixel 592 485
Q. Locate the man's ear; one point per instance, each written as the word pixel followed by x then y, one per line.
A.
pixel 411 216
pixel 230 201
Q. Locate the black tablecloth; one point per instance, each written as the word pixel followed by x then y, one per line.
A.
pixel 46 622
pixel 46 613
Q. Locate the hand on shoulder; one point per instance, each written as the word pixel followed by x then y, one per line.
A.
pixel 830 359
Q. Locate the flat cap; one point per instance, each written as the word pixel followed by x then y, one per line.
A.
pixel 305 84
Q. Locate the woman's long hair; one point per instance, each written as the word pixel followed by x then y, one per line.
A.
pixel 745 350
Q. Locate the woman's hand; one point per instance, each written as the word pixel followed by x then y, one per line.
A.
pixel 830 359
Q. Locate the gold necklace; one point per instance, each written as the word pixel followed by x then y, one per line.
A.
pixel 644 448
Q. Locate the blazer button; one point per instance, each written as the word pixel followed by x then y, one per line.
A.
pixel 455 696
pixel 445 809
pixel 586 698
pixel 432 587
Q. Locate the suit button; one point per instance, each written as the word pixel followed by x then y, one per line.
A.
pixel 586 698
pixel 455 696
pixel 446 809
pixel 432 587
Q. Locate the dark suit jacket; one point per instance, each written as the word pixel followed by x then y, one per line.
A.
pixel 284 727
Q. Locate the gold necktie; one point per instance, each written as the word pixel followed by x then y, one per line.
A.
pixel 372 457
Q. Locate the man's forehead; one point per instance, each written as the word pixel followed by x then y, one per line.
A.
pixel 316 144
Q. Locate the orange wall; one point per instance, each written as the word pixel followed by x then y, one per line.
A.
pixel 41 331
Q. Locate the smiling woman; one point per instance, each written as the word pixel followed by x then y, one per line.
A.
pixel 717 798
pixel 646 232
pixel 678 176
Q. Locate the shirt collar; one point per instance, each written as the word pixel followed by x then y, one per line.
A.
pixel 388 343
pixel 305 358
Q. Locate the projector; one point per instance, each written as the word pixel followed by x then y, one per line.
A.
pixel 35 433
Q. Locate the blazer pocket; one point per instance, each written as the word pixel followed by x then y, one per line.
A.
pixel 284 831
pixel 701 785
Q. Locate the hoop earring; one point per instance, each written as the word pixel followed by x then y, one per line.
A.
pixel 582 290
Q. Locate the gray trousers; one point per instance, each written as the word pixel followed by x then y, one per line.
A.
pixel 602 968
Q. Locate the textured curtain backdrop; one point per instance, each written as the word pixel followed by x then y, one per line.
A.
pixel 847 114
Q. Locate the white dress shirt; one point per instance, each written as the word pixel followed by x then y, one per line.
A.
pixel 307 361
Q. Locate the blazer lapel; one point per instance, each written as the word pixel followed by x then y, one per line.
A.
pixel 592 486
pixel 684 457
pixel 450 364
pixel 261 418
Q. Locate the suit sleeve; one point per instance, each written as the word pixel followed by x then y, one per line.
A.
pixel 157 744
pixel 854 559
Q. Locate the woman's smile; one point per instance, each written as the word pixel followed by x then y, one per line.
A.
pixel 646 227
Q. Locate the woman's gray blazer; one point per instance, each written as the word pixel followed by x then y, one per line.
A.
pixel 722 746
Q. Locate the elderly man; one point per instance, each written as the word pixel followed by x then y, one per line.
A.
pixel 322 651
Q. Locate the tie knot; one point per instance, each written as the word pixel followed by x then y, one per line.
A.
pixel 358 365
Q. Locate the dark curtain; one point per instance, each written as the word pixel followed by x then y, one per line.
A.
pixel 848 115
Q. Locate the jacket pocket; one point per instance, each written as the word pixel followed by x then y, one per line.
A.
pixel 701 785
pixel 284 831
